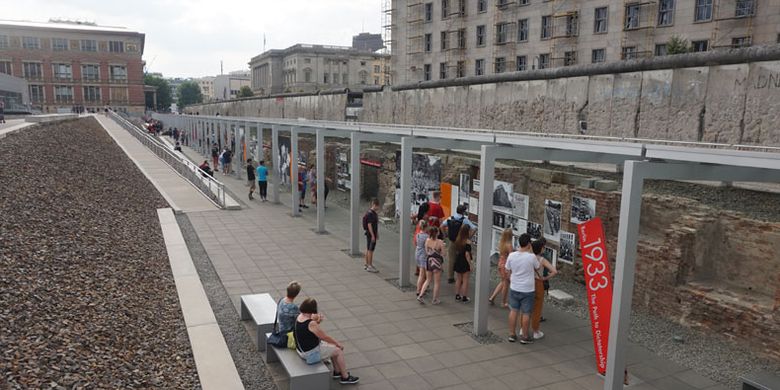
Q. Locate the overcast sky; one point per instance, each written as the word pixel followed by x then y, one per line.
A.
pixel 188 38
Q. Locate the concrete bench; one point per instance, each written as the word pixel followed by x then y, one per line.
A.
pixel 261 308
pixel 760 380
pixel 302 376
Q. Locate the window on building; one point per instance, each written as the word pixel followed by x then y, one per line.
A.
pixel 335 78
pixel 523 2
pixel 629 52
pixel 481 35
pixel 481 5
pixel 116 46
pixel 572 25
pixel 501 33
pixel 5 67
pixel 90 72
pixel 745 8
pixel 521 63
pixel 660 50
pixel 741 42
pixel 598 55
pixel 59 44
pixel 460 69
pixel 307 60
pixel 118 94
pixel 462 7
pixel 601 16
pixel 445 9
pixel 36 93
pixel 547 27
pixel 32 70
pixel 307 75
pixel 665 12
pixel 479 67
pixel 703 11
pixel 699 46
pixel 569 58
pixel 31 43
pixel 91 93
pixel 62 71
pixel 3 41
pixel 462 38
pixel 117 72
pixel 376 80
pixel 326 78
pixel 502 3
pixel 632 16
pixel 444 40
pixel 442 70
pixel 428 12
pixel 377 69
pixel 428 43
pixel 499 66
pixel 522 30
pixel 63 93
pixel 427 72
pixel 363 77
pixel 88 45
pixel 544 61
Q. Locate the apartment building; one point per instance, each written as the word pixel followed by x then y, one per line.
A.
pixel 309 68
pixel 69 64
pixel 227 86
pixel 206 85
pixel 441 39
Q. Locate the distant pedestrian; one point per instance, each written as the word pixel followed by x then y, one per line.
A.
pixel 227 158
pixel 504 249
pixel 302 185
pixel 522 265
pixel 463 264
pixel 419 254
pixel 215 155
pixel 262 180
pixel 371 228
pixel 539 279
pixel 450 227
pixel 250 177
pixel 434 251
pixel 2 111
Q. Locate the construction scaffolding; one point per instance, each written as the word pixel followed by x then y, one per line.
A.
pixel 388 26
pixel 638 35
pixel 565 31
pixel 455 53
pixel 733 23
pixel 415 19
pixel 505 36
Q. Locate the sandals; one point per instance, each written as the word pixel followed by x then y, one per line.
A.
pixel 492 301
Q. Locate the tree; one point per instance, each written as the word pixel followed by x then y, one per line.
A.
pixel 677 45
pixel 164 98
pixel 245 91
pixel 189 93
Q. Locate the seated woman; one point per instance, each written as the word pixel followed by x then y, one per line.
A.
pixel 309 338
pixel 206 168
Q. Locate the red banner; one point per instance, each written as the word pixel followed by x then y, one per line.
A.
pixel 598 282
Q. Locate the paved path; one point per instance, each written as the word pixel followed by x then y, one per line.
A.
pixel 12 125
pixel 179 193
pixel 391 341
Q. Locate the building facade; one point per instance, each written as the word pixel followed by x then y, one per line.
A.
pixel 367 42
pixel 68 64
pixel 206 85
pixel 306 68
pixel 443 39
pixel 226 86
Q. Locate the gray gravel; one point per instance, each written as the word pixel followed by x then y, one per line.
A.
pixel 250 365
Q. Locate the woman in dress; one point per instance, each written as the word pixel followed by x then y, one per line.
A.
pixel 419 254
pixel 539 279
pixel 504 249
pixel 463 264
pixel 434 249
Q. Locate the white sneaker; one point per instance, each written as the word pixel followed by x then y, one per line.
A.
pixel 372 269
pixel 538 335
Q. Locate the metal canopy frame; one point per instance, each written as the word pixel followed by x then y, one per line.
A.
pixel 640 161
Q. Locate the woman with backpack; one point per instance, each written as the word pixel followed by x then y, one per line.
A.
pixel 434 249
pixel 463 264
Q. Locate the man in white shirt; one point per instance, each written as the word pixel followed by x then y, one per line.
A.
pixel 522 265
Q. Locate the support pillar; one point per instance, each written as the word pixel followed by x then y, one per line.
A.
pixel 320 181
pixel 354 195
pixel 405 252
pixel 487 166
pixel 277 172
pixel 625 269
pixel 294 175
pixel 239 159
pixel 259 144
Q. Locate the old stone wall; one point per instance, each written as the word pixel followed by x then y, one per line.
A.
pixel 316 107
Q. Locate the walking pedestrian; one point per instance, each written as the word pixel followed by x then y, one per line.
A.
pixel 302 183
pixel 227 158
pixel 539 279
pixel 522 265
pixel 250 177
pixel 2 111
pixel 215 155
pixel 419 254
pixel 434 250
pixel 504 249
pixel 262 181
pixel 451 227
pixel 463 264
pixel 371 228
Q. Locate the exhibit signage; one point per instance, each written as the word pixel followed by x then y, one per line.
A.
pixel 598 282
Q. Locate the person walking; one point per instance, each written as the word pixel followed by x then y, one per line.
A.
pixel 419 254
pixel 463 264
pixel 262 180
pixel 227 158
pixel 434 249
pixel 504 249
pixel 451 227
pixel 371 228
pixel 522 266
pixel 2 111
pixel 539 279
pixel 250 177
pixel 302 183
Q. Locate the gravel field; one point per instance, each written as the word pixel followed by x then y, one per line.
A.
pixel 87 299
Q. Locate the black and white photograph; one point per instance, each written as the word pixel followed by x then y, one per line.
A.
pixel 499 220
pixel 343 181
pixel 582 209
pixel 566 253
pixel 283 163
pixel 473 205
pixel 519 205
pixel 465 188
pixel 426 178
pixel 552 220
pixel 519 226
pixel 550 255
pixel 534 230
pixel 502 197
pixel 496 239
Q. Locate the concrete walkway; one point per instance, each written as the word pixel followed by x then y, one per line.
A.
pixel 179 193
pixel 391 341
pixel 12 125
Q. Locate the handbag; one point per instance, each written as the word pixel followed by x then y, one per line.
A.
pixel 277 339
pixel 435 261
pixel 313 357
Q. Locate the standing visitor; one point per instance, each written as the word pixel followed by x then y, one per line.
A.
pixel 313 184
pixel 250 177
pixel 434 250
pixel 504 249
pixel 434 207
pixel 451 227
pixel 371 227
pixel 539 279
pixel 227 158
pixel 522 266
pixel 2 111
pixel 463 264
pixel 302 182
pixel 420 256
pixel 262 181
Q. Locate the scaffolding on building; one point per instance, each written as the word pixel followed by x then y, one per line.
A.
pixel 455 53
pixel 638 33
pixel 565 19
pixel 415 35
pixel 387 38
pixel 504 36
pixel 740 20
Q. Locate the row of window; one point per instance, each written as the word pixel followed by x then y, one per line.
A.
pixel 64 71
pixel 65 94
pixel 64 44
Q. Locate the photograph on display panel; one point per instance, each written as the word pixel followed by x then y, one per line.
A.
pixel 582 209
pixel 426 178
pixel 465 188
pixel 534 230
pixel 519 205
pixel 552 220
pixel 566 250
pixel 496 238
pixel 343 181
pixel 519 226
pixel 499 220
pixel 502 193
pixel 283 162
pixel 551 255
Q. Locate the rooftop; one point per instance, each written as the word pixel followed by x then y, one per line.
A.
pixel 66 25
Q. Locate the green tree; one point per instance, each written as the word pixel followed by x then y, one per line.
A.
pixel 677 45
pixel 189 93
pixel 164 98
pixel 245 91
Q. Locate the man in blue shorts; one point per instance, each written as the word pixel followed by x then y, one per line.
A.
pixel 262 181
pixel 522 265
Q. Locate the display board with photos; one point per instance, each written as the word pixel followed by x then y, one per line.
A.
pixel 426 178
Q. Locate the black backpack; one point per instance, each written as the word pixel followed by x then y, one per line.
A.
pixel 453 228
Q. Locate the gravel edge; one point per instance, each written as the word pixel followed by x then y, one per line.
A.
pixel 251 367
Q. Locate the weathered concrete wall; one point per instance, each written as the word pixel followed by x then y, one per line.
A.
pixel 330 107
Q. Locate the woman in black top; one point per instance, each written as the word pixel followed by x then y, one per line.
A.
pixel 462 265
pixel 309 337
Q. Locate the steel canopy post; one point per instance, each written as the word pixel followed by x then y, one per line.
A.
pixel 294 175
pixel 276 175
pixel 625 269
pixel 259 144
pixel 405 252
pixel 354 195
pixel 484 238
pixel 320 181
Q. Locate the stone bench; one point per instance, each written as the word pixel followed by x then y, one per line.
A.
pixel 302 376
pixel 261 308
pixel 760 380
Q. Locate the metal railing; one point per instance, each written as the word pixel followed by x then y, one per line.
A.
pixel 212 188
